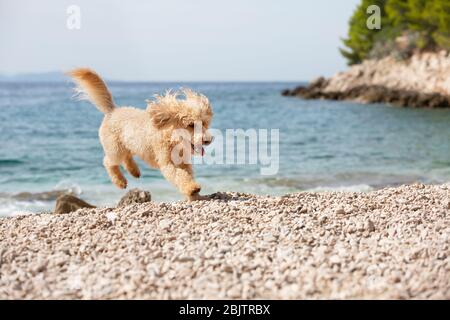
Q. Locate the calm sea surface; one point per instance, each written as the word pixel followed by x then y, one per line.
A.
pixel 49 142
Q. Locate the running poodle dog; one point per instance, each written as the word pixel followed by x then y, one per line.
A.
pixel 150 134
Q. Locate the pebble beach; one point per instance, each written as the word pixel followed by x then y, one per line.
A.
pixel 392 243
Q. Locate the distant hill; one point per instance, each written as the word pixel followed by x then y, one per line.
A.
pixel 53 76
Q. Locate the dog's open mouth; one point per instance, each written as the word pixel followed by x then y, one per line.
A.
pixel 197 150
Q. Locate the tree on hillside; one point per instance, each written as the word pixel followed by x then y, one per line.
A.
pixel 425 24
pixel 360 38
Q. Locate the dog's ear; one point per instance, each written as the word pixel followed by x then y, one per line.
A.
pixel 161 115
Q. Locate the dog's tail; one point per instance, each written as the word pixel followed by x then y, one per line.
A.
pixel 92 88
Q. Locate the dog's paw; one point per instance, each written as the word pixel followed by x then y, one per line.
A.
pixel 194 195
pixel 197 197
pixel 194 189
pixel 136 173
pixel 122 184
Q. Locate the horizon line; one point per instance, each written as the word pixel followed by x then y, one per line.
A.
pixel 60 75
pixel 153 81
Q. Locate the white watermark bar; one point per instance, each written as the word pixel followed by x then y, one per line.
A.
pixel 258 147
pixel 73 21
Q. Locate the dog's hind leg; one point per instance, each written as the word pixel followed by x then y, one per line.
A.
pixel 113 169
pixel 114 155
pixel 131 166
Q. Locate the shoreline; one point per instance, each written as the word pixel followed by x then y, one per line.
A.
pixel 389 243
pixel 422 81
pixel 47 199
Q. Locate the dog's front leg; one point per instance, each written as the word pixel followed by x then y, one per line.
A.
pixel 183 178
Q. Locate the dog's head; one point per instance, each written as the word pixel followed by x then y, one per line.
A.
pixel 186 110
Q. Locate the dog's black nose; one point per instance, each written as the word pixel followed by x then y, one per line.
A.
pixel 208 142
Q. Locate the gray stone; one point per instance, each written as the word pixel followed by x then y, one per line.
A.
pixel 135 196
pixel 68 203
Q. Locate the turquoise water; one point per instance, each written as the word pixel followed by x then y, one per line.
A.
pixel 49 142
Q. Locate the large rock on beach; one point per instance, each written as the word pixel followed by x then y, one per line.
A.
pixel 68 203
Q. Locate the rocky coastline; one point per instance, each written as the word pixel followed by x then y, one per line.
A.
pixel 422 81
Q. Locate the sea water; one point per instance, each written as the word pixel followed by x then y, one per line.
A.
pixel 49 141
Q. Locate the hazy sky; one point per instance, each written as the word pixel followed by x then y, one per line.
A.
pixel 177 39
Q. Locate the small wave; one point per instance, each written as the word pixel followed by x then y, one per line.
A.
pixel 61 188
pixel 69 186
pixel 29 202
pixel 10 162
pixel 11 207
pixel 25 202
pixel 41 196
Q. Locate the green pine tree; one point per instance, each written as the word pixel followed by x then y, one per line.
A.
pixel 427 20
pixel 360 39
